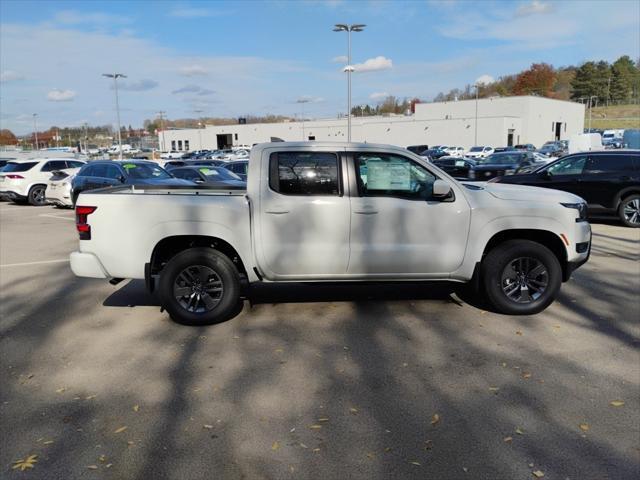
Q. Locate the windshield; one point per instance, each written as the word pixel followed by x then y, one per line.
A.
pixel 608 135
pixel 218 173
pixel 18 167
pixel 500 159
pixel 476 149
pixel 144 171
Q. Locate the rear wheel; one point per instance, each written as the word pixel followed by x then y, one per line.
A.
pixel 629 211
pixel 36 195
pixel 521 277
pixel 200 286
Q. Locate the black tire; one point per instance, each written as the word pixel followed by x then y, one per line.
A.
pixel 36 195
pixel 521 277
pixel 198 264
pixel 629 211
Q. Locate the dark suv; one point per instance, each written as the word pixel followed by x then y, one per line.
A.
pixel 109 173
pixel 609 181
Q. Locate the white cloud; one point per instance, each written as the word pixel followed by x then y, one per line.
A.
pixel 193 71
pixel 195 89
pixel 309 99
pixel 74 17
pixel 484 80
pixel 373 65
pixel 10 76
pixel 340 59
pixel 57 95
pixel 190 12
pixel 138 86
pixel 378 95
pixel 535 7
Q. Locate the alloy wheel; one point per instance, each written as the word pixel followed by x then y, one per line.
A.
pixel 198 289
pixel 631 211
pixel 37 195
pixel 524 280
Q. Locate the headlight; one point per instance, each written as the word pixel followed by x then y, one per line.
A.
pixel 580 207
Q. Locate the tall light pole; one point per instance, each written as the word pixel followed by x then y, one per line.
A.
pixel 35 129
pixel 591 108
pixel 302 101
pixel 475 141
pixel 199 126
pixel 161 114
pixel 115 77
pixel 341 27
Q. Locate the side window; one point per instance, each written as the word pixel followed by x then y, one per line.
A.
pixel 186 144
pixel 88 172
pixel 99 171
pixel 191 175
pixel 569 166
pixel 609 163
pixel 388 175
pixel 73 164
pixel 173 145
pixel 112 172
pixel 54 165
pixel 304 173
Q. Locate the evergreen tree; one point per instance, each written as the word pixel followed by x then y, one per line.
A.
pixel 623 76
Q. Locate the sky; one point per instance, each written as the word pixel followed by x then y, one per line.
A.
pixel 230 59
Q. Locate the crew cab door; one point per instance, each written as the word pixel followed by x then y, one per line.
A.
pixel 398 228
pixel 302 226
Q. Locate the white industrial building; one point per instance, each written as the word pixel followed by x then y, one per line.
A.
pixel 501 121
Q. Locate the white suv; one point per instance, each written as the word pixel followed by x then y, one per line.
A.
pixel 26 180
pixel 479 152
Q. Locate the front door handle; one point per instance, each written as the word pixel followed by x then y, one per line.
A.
pixel 277 210
pixel 366 210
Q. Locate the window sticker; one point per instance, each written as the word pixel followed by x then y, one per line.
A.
pixel 459 163
pixel 127 166
pixel 392 175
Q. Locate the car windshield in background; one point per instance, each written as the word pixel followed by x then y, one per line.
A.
pixel 500 159
pixel 476 149
pixel 144 171
pixel 18 167
pixel 218 173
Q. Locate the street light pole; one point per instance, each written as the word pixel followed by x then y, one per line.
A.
pixel 161 115
pixel 475 141
pixel 302 101
pixel 115 77
pixel 591 108
pixel 341 27
pixel 35 129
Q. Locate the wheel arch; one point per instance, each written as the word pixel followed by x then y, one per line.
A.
pixel 624 193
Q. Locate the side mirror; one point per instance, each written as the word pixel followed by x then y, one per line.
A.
pixel 545 174
pixel 121 178
pixel 198 180
pixel 441 188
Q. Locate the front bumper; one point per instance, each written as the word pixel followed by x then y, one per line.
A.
pixel 87 265
pixel 581 256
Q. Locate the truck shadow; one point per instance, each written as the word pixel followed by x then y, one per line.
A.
pixel 134 293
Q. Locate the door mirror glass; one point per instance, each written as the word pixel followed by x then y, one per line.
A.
pixel 198 180
pixel 441 188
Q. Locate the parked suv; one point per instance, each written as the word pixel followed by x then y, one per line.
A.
pixel 108 173
pixel 608 181
pixel 503 163
pixel 26 180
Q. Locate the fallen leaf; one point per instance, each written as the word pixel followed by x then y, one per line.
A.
pixel 303 445
pixel 60 390
pixel 120 430
pixel 130 442
pixel 519 431
pixel 291 469
pixel 415 463
pixel 465 469
pixel 108 465
pixel 315 427
pixel 90 397
pixel 136 408
pixel 278 350
pixel 275 446
pixel 435 419
pixel 48 442
pixel 519 333
pixel 526 375
pixel 102 458
pixel 507 439
pixel 209 427
pixel 616 403
pixel 538 474
pixel 494 389
pixel 315 450
pixel 405 364
pixel 323 419
pixel 388 449
pixel 92 467
pixel 25 463
pixel 584 427
pixel 504 364
pixel 370 455
pixel 353 410
pixel 292 430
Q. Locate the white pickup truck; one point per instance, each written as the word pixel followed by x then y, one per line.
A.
pixel 328 212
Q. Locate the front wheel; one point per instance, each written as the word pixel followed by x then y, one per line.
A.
pixel 200 286
pixel 629 211
pixel 521 277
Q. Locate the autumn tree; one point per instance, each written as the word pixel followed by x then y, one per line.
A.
pixel 8 138
pixel 539 79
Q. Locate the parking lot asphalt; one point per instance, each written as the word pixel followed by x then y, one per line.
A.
pixel 363 382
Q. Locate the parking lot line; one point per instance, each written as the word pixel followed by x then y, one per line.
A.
pixel 56 216
pixel 25 264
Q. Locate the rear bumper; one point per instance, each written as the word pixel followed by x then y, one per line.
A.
pixel 87 265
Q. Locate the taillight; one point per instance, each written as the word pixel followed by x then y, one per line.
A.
pixel 84 229
pixel 15 177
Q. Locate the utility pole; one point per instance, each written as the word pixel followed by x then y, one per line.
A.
pixel 591 108
pixel 302 101
pixel 199 112
pixel 608 89
pixel 115 77
pixel 161 114
pixel 35 129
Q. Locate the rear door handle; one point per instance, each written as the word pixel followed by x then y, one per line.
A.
pixel 277 210
pixel 366 210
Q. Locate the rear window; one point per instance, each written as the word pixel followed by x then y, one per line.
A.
pixel 18 167
pixel 609 163
pixel 304 173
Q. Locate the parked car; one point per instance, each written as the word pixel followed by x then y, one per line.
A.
pixel 26 180
pixel 310 215
pixel 3 162
pixel 216 177
pixel 454 151
pixel 433 153
pixel 173 154
pixel 456 167
pixel 239 167
pixel 526 146
pixel 58 190
pixel 417 149
pixel 551 149
pixel 608 180
pixel 499 164
pixel 107 173
pixel 479 152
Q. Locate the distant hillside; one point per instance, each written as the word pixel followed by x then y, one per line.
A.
pixel 614 116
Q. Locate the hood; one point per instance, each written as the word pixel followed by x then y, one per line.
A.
pixel 505 191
